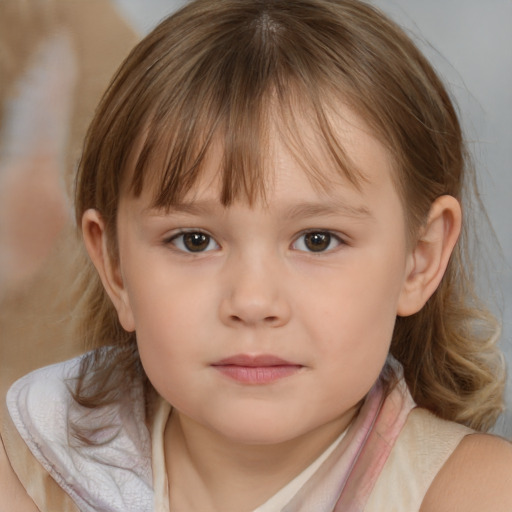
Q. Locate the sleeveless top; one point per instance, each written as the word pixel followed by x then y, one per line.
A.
pixel 389 455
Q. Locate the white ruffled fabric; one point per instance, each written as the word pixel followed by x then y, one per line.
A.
pixel 114 475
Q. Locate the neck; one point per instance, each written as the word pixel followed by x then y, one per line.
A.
pixel 208 472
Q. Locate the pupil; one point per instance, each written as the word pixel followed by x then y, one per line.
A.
pixel 196 242
pixel 318 241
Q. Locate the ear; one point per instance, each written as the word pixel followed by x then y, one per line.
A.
pixel 429 258
pixel 95 238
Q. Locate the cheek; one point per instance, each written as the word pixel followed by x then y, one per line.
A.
pixel 170 315
pixel 353 320
pixel 161 294
pixel 361 298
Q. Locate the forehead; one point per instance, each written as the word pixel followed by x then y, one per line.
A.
pixel 292 153
pixel 290 187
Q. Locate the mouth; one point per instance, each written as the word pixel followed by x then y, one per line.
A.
pixel 260 369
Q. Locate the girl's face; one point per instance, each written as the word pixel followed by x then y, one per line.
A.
pixel 265 323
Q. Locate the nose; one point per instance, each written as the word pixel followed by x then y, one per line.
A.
pixel 255 295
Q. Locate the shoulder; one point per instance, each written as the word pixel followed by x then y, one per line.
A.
pixel 14 495
pixel 477 476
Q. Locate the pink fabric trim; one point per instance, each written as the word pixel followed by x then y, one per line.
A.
pixel 345 480
pixel 386 418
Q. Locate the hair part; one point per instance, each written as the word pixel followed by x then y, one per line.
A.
pixel 229 71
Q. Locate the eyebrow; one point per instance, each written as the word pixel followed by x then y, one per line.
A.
pixel 329 207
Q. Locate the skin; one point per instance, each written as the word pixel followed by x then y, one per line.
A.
pixel 256 287
pixel 476 477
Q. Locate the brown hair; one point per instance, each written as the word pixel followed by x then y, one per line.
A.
pixel 217 69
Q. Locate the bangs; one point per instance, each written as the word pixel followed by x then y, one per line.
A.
pixel 176 150
pixel 243 98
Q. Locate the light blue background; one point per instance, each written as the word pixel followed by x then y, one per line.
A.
pixel 470 44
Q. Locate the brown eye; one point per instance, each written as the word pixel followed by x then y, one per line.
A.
pixel 194 241
pixel 318 241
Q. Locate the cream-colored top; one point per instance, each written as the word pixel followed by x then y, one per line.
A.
pixel 423 446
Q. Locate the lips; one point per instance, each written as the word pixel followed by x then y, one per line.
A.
pixel 259 369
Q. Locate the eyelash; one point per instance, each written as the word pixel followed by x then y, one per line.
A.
pixel 325 236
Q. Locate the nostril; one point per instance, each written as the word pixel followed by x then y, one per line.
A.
pixel 267 319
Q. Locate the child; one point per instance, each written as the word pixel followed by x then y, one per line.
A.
pixel 270 193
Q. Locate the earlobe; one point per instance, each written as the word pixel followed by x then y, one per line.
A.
pixel 96 243
pixel 430 256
